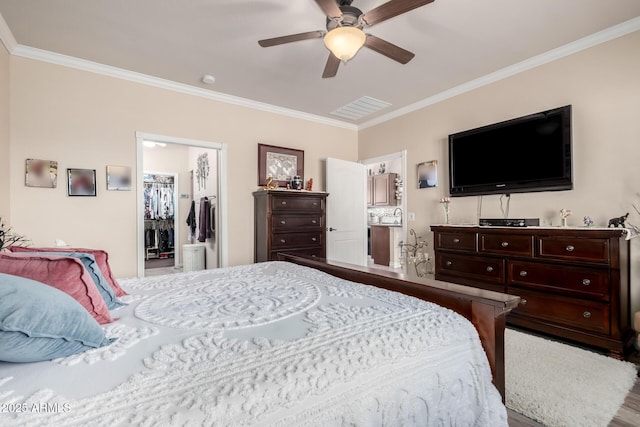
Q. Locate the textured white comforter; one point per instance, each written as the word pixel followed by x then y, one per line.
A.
pixel 265 344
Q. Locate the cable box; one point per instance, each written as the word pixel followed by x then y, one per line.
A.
pixel 509 222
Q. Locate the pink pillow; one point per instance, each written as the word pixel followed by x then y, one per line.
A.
pixel 63 273
pixel 102 258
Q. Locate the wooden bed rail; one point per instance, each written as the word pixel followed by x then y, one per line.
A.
pixel 487 310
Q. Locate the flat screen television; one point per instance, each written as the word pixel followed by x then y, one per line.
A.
pixel 526 154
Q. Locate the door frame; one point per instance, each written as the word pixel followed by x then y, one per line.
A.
pixel 403 162
pixel 222 234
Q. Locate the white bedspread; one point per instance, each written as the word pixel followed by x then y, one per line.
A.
pixel 265 344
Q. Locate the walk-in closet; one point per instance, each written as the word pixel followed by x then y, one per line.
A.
pixel 159 217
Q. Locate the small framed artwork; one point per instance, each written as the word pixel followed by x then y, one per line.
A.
pixel 41 173
pixel 118 178
pixel 428 174
pixel 81 182
pixel 279 163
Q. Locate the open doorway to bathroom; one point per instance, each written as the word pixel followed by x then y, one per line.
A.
pixel 182 198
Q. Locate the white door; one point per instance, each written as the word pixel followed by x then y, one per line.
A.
pixel 346 212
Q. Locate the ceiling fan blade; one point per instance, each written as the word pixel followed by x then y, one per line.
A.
pixel 392 8
pixel 389 50
pixel 291 38
pixel 331 69
pixel 330 8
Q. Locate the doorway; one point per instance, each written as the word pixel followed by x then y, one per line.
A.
pixel 198 172
pixel 161 219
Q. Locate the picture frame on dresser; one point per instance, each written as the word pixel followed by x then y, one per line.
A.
pixel 279 163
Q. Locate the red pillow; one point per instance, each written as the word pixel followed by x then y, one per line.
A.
pixel 63 273
pixel 101 257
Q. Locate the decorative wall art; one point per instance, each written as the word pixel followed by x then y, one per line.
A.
pixel 41 173
pixel 118 178
pixel 428 174
pixel 81 182
pixel 279 163
pixel 202 172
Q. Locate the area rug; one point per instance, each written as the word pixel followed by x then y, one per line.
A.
pixel 561 385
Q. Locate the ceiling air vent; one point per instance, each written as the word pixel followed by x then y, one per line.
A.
pixel 360 108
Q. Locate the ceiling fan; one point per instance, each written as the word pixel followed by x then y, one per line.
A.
pixel 345 31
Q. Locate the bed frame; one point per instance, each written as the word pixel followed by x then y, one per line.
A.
pixel 487 310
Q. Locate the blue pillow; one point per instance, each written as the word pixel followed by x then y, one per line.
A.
pixel 92 267
pixel 39 322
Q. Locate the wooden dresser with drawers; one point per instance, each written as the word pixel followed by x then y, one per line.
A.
pixel 289 221
pixel 574 283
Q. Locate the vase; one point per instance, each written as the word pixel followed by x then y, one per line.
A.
pixel 564 222
pixel 446 213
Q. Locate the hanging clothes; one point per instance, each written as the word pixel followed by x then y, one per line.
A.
pixel 158 200
pixel 204 221
pixel 191 221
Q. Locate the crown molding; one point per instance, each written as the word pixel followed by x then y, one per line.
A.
pixel 587 42
pixel 119 73
pixel 6 36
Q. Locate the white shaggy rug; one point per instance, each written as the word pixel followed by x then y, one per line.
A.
pixel 560 385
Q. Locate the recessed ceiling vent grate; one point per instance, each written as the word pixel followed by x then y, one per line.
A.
pixel 360 108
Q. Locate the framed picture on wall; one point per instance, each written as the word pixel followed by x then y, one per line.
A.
pixel 428 174
pixel 279 163
pixel 118 178
pixel 81 182
pixel 41 173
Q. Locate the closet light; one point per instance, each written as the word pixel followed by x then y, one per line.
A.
pixel 153 144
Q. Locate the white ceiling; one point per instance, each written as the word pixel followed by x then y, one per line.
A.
pixel 455 42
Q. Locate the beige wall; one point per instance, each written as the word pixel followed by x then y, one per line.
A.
pixel 87 120
pixel 603 85
pixel 4 134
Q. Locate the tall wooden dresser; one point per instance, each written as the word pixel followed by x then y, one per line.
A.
pixel 573 282
pixel 289 221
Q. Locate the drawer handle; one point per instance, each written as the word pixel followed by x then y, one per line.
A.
pixel 523 273
pixel 523 301
pixel 489 269
pixel 283 222
pixel 448 263
pixel 569 248
pixel 504 244
pixel 586 314
pixel 315 203
pixel 314 256
pixel 586 282
pixel 456 240
pixel 313 239
pixel 282 241
pixel 283 203
pixel 313 221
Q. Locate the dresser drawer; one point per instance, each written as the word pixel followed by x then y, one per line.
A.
pixel 579 249
pixel 289 222
pixel 506 244
pixel 312 252
pixel 297 203
pixel 296 240
pixel 585 282
pixel 457 241
pixel 483 269
pixel 568 312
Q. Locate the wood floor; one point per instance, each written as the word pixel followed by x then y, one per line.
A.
pixel 628 415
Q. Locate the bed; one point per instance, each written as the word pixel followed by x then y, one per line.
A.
pixel 279 344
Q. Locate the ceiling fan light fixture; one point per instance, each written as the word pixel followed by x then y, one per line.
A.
pixel 345 42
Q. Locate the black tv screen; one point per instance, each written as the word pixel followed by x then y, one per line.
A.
pixel 530 153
